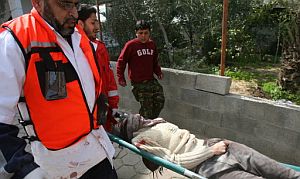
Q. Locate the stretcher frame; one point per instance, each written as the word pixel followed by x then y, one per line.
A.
pixel 155 159
pixel 167 164
pixel 22 109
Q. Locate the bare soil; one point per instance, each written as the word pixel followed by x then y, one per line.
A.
pixel 251 88
pixel 242 87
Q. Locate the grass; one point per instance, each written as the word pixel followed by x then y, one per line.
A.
pixel 277 93
pixel 265 76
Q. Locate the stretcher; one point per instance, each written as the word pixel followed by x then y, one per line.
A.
pixel 157 160
pixel 169 165
pixel 297 168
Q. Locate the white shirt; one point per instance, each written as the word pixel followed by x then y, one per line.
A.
pixel 78 158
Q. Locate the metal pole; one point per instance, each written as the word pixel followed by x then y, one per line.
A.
pixel 159 161
pixel 297 168
pixel 224 36
pixel 99 20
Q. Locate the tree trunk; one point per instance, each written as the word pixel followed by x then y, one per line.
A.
pixel 168 44
pixel 128 4
pixel 289 76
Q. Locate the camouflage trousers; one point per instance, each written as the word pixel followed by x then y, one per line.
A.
pixel 150 95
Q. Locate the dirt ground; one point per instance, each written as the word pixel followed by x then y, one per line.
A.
pixel 250 88
pixel 242 87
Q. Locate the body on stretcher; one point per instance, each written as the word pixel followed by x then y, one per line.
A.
pixel 174 167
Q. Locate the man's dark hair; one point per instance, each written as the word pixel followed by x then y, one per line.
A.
pixel 85 12
pixel 142 25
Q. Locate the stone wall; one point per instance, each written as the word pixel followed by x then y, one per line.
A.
pixel 201 103
pixel 4 11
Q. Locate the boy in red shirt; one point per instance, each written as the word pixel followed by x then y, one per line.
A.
pixel 142 58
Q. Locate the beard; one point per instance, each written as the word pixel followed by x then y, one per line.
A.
pixel 65 29
pixel 91 35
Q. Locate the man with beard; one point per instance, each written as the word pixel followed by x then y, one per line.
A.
pixel 87 19
pixel 48 72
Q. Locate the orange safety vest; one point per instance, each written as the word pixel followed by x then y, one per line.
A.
pixel 62 122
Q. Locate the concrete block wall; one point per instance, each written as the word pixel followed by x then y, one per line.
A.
pixel 266 126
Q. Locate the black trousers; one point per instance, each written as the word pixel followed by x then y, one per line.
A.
pixel 102 170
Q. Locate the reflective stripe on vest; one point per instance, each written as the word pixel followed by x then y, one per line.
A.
pixel 113 93
pixel 39 44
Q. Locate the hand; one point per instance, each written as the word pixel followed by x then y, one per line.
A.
pixel 160 77
pixel 220 147
pixel 37 173
pixel 122 82
pixel 152 122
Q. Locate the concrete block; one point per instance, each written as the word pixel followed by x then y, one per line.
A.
pixel 226 104
pixel 278 134
pixel 5 15
pixel 254 109
pixel 209 117
pixel 177 119
pixel 164 112
pixel 196 127
pixel 190 124
pixel 172 93
pixel 167 76
pixel 211 131
pixel 235 122
pixel 285 154
pixel 295 157
pixel 195 97
pixel 274 150
pixel 179 78
pixel 213 83
pixel 282 116
pixel 216 102
pixel 199 129
pixel 16 8
pixel 275 115
pixel 293 120
pixel 179 107
pixel 261 145
pixel 113 65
